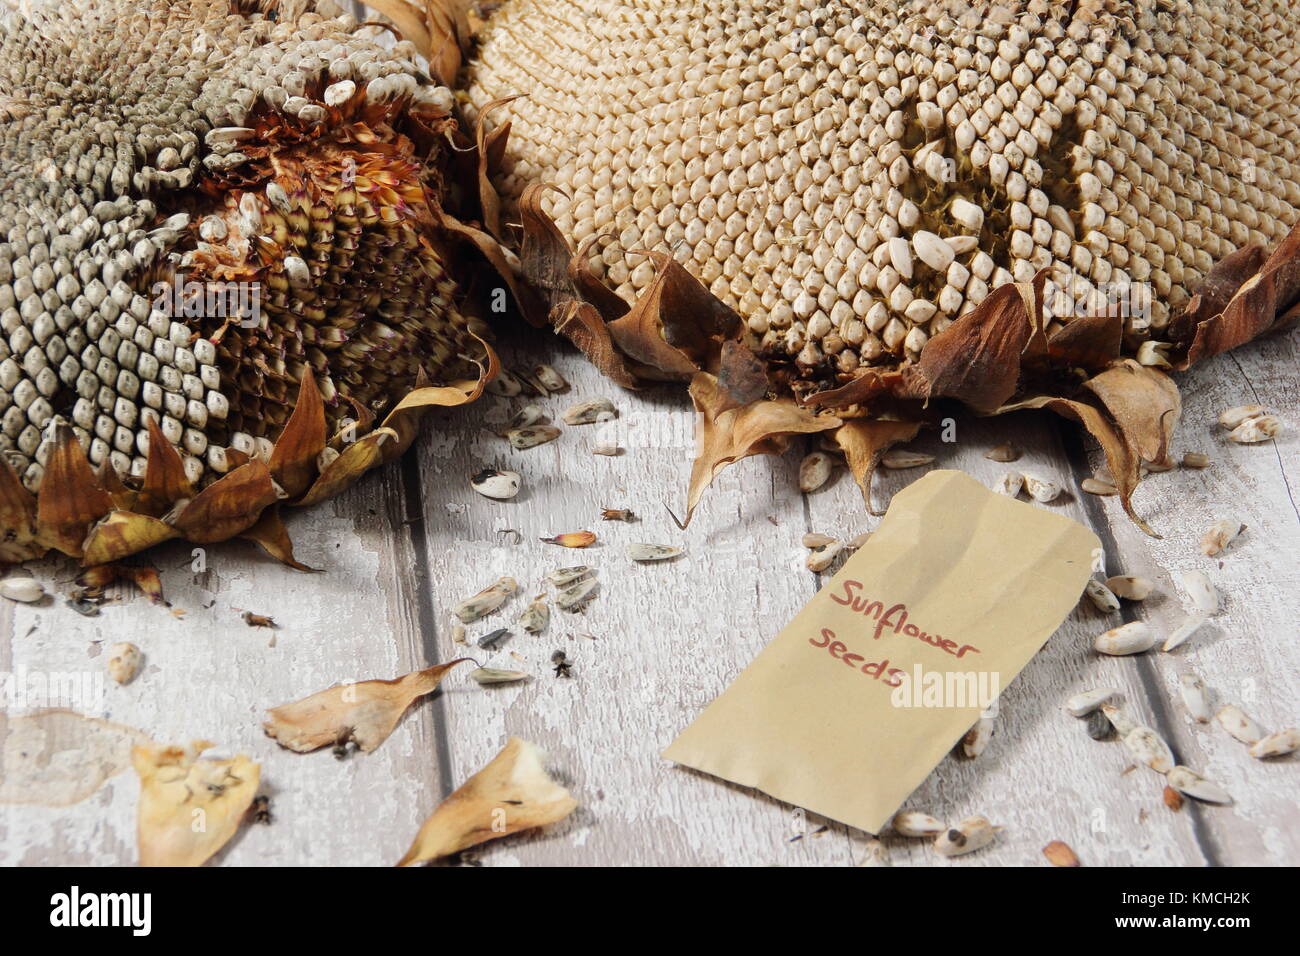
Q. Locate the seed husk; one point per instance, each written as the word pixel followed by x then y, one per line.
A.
pixel 1173 799
pixel 617 514
pixel 819 559
pixel 978 737
pixel 589 412
pixel 1080 705
pixel 1099 726
pixel 1011 484
pixel 532 436
pixel 1041 489
pixel 505 384
pixel 500 485
pixel 1255 430
pixel 1101 596
pixel 124 660
pixel 576 595
pixel 1276 745
pixel 876 854
pixel 572 539
pixel 1121 721
pixel 1096 486
pixel 549 378
pixel 486 601
pixel 1195 698
pixel 528 415
pixel 1149 749
pixel 1195 459
pixel 493 675
pixel 1132 638
pixel 536 615
pixel 1236 722
pixel 1191 624
pixel 1008 451
pixel 22 590
pixel 1188 781
pixel 899 459
pixel 1060 854
pixel 915 823
pixel 493 640
pixel 1131 588
pixel 1201 590
pixel 814 540
pixel 1220 535
pixel 971 834
pixel 563 577
pixel 815 470
pixel 652 552
pixel 1233 417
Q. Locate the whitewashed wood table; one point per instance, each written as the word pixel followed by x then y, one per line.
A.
pixel 660 641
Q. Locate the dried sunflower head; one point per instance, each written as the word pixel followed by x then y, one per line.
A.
pixel 208 208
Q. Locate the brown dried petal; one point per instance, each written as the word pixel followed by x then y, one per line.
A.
pixel 864 442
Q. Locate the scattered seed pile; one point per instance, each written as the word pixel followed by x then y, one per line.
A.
pixel 218 143
pixel 851 177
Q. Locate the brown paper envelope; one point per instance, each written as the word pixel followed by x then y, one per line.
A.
pixel 991 576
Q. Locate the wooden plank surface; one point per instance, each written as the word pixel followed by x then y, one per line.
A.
pixel 660 641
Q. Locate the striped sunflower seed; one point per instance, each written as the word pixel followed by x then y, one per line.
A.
pixel 500 485
pixel 1101 596
pixel 486 601
pixel 1195 697
pixel 528 415
pixel 914 823
pixel 1276 745
pixel 1132 638
pixel 505 384
pixel 652 552
pixel 550 379
pixel 589 412
pixel 563 577
pixel 970 835
pixel 576 595
pixel 978 737
pixel 532 436
pixel 536 616
pixel 1188 781
pixel 1149 749
pixel 1080 705
pixel 1236 722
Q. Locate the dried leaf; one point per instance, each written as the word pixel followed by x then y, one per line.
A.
pixel 190 806
pixel 70 500
pixel 228 506
pixel 364 712
pixel 510 794
pixel 293 460
pixel 864 442
pixel 56 758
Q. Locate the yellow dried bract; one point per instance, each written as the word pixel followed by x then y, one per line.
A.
pixel 511 793
pixel 190 806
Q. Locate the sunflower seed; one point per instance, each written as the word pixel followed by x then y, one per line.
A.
pixel 815 470
pixel 1276 745
pixel 458 634
pixel 899 459
pixel 1132 638
pixel 914 823
pixel 526 416
pixel 857 542
pixel 1099 726
pixel 492 675
pixel 532 436
pixel 813 540
pixel 563 577
pixel 1060 854
pixel 550 379
pixel 490 642
pixel 23 590
pixel 1188 781
pixel 1235 721
pixel 1101 596
pixel 876 854
pixel 1220 536
pixel 1004 452
pixel 505 384
pixel 1149 749
pixel 1011 484
pixel 1080 705
pixel 819 559
pixel 491 483
pixel 1121 721
pixel 572 539
pixel 1255 430
pixel 1130 588
pixel 978 737
pixel 966 837
pixel 1095 486
pixel 1204 595
pixel 486 601
pixel 1192 689
pixel 1235 416
pixel 652 552
pixel 124 661
pixel 1191 624
pixel 573 597
pixel 585 413
pixel 1194 459
pixel 536 616
pixel 1041 489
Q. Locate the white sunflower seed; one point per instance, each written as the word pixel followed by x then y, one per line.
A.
pixel 24 590
pixel 1276 745
pixel 1132 638
pixel 1121 721
pixel 585 413
pixel 914 823
pixel 124 661
pixel 1095 486
pixel 1255 430
pixel 1195 697
pixel 550 379
pixel 1101 596
pixel 1004 452
pixel 1236 722
pixel 652 552
pixel 813 540
pixel 815 470
pixel 491 483
pixel 978 737
pixel 536 616
pixel 1042 490
pixel 899 459
pixel 1235 416
pixel 492 675
pixel 610 451
pixel 1220 535
pixel 1195 459
pixel 819 559
pixel 1149 749
pixel 1201 591
pixel 486 601
pixel 1130 588
pixel 1010 484
pixel 876 854
pixel 1080 705
pixel 532 436
pixel 563 577
pixel 966 837
pixel 1191 624
pixel 1188 781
